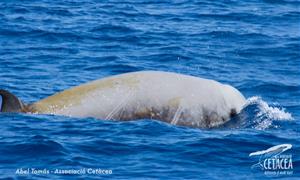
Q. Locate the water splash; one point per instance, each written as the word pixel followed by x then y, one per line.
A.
pixel 265 115
pixel 274 113
pixel 258 114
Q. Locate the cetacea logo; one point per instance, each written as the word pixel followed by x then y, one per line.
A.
pixel 273 161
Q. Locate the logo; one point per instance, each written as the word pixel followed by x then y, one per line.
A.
pixel 273 161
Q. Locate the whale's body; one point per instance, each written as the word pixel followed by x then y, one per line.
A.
pixel 170 97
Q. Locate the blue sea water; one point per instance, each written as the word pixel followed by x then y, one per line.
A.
pixel 47 46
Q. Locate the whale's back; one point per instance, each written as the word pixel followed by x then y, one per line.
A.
pixel 166 96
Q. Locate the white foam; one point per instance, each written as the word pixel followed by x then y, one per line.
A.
pixel 266 114
pixel 273 113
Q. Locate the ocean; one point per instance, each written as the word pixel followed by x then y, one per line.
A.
pixel 48 46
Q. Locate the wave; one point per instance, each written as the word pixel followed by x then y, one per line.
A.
pixel 258 114
pixel 266 114
pixel 274 113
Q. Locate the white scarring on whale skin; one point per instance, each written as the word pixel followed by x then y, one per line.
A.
pixel 170 97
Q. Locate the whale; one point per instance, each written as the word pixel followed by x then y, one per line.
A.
pixel 164 96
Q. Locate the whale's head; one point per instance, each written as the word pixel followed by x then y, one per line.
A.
pixel 10 103
pixel 234 98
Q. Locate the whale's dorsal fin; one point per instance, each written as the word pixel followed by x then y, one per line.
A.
pixel 10 103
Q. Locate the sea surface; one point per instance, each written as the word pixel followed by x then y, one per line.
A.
pixel 47 46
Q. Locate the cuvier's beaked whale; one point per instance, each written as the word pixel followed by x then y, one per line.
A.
pixel 165 96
